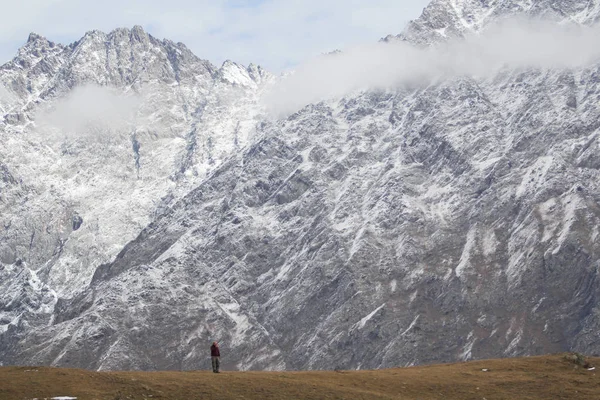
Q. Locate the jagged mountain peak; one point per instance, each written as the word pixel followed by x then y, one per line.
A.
pixel 120 38
pixel 117 58
pixel 34 37
pixel 238 74
pixel 135 34
pixel 138 30
pixel 36 43
pixel 124 58
pixel 443 19
pixel 114 37
pixel 120 58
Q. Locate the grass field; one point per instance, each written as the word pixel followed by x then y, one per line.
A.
pixel 544 377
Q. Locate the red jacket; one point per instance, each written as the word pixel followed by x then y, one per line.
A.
pixel 214 351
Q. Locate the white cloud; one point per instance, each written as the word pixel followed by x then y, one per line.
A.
pixel 273 33
pixel 89 111
pixel 517 43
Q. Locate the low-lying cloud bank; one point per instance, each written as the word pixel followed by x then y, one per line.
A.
pixel 514 44
pixel 90 110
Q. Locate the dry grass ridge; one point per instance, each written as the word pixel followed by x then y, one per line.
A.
pixel 543 377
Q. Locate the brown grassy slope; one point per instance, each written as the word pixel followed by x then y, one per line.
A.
pixel 545 377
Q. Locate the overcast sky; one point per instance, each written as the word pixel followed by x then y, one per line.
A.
pixel 277 34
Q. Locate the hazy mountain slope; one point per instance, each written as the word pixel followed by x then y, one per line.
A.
pixel 442 223
pixel 73 193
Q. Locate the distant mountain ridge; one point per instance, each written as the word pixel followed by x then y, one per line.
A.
pixel 191 115
pixel 443 19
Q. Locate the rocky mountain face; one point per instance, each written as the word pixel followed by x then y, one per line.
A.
pixel 443 19
pixel 73 194
pixel 189 115
pixel 441 223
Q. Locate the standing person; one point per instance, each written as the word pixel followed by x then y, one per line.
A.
pixel 215 356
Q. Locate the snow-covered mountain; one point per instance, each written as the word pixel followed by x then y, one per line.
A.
pixel 443 19
pixel 385 228
pixel 71 200
pixel 115 178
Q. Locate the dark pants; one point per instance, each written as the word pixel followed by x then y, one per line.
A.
pixel 215 363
